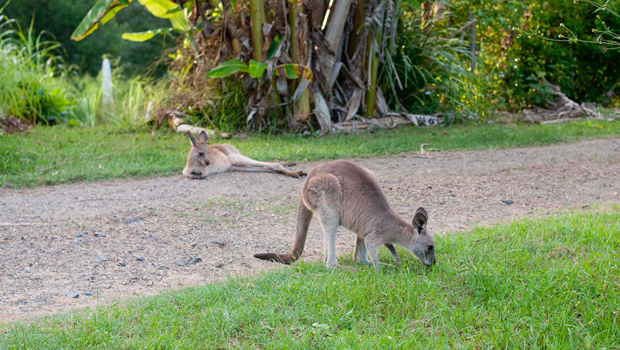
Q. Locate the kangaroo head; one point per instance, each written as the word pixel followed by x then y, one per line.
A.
pixel 424 247
pixel 198 157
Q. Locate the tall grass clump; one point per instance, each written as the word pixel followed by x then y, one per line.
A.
pixel 433 67
pixel 28 66
pixel 38 88
pixel 131 100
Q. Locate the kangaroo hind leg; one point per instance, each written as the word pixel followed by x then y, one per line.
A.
pixel 323 195
pixel 239 161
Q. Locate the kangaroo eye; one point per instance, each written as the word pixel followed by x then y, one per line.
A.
pixel 201 154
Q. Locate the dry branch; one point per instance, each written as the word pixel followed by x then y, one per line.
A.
pixel 560 110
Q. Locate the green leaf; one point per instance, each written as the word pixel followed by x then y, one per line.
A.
pixel 161 9
pixel 227 68
pixel 233 4
pixel 275 44
pixel 73 122
pixel 103 11
pixel 257 68
pixel 294 71
pixel 144 36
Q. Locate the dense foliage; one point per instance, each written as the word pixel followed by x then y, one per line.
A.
pixel 583 71
pixel 60 17
pixel 428 70
pixel 38 87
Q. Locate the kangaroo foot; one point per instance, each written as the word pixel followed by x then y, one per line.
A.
pixel 295 173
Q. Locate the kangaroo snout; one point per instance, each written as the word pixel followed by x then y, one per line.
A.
pixel 196 172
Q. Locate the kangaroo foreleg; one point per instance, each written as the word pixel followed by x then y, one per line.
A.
pixel 360 251
pixel 392 250
pixel 372 245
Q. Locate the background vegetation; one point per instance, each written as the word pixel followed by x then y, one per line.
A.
pixel 535 284
pixel 59 18
pixel 37 85
pixel 50 79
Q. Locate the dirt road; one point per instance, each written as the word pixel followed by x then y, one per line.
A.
pixel 78 245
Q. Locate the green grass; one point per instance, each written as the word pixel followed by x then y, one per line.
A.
pixel 549 283
pixel 51 155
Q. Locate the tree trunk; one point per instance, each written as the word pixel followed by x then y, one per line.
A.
pixel 257 13
pixel 298 26
pixel 371 94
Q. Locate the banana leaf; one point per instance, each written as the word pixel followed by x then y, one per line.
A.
pixel 144 36
pixel 227 68
pixel 162 9
pixel 103 11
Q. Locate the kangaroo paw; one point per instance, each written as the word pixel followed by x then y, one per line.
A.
pixel 296 173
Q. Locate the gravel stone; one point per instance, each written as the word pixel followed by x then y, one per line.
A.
pixel 194 261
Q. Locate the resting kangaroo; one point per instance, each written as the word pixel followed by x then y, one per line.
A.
pixel 343 193
pixel 203 160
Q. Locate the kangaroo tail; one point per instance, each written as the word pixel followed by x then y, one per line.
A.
pixel 304 215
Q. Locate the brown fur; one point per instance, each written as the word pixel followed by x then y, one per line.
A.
pixel 203 160
pixel 342 193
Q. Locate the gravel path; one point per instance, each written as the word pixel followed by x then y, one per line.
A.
pixel 82 244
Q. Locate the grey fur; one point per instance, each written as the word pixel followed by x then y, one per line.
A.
pixel 203 160
pixel 343 193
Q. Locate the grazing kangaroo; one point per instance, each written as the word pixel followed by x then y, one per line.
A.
pixel 343 193
pixel 203 160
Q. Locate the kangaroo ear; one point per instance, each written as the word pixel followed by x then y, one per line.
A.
pixel 192 139
pixel 419 220
pixel 202 137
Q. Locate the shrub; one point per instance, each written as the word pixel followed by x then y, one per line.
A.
pixel 28 66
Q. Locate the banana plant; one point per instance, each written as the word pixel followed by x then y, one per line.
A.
pixel 256 69
pixel 105 10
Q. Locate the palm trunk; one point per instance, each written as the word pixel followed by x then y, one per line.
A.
pixel 371 94
pixel 298 28
pixel 257 13
pixel 358 21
